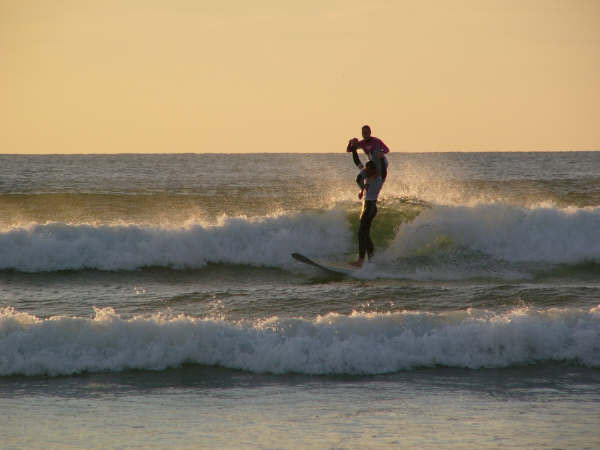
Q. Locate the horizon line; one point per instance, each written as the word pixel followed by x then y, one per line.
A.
pixel 294 153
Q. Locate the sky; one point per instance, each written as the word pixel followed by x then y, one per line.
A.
pixel 238 76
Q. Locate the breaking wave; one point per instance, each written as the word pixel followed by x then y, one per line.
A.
pixel 459 239
pixel 266 241
pixel 359 344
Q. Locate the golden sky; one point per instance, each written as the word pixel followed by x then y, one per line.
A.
pixel 236 76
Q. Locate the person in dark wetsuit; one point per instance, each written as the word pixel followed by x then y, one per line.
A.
pixel 370 182
pixel 373 147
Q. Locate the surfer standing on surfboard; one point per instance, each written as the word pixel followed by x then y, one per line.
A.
pixel 373 147
pixel 370 181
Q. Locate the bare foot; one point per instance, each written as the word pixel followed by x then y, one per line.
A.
pixel 357 263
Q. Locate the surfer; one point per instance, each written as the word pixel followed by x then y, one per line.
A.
pixel 370 181
pixel 373 147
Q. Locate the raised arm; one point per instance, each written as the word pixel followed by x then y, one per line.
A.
pixel 353 147
pixel 356 159
pixel 361 181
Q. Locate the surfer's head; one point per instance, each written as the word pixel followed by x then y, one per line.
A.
pixel 370 169
pixel 366 131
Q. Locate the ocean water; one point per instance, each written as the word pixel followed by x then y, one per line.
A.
pixel 151 301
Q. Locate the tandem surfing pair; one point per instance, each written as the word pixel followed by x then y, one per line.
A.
pixel 370 180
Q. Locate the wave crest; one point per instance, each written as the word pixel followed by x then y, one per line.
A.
pixel 266 241
pixel 507 232
pixel 333 344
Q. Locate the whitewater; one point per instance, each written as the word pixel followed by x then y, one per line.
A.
pixel 359 344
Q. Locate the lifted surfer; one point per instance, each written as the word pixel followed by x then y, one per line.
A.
pixel 370 181
pixel 373 147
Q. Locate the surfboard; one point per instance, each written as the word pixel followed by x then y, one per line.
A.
pixel 337 268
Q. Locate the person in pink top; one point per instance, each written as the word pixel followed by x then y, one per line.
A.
pixel 373 147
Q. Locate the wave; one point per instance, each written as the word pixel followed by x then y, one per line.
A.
pixel 265 241
pixel 504 232
pixel 359 344
pixel 412 241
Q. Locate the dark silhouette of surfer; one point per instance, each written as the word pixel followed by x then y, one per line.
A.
pixel 370 182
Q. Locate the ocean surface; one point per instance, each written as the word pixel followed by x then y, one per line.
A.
pixel 151 301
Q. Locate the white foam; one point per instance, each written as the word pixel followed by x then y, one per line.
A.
pixel 265 241
pixel 334 344
pixel 508 232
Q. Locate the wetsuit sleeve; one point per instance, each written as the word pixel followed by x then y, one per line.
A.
pixel 356 159
pixel 384 148
pixel 360 179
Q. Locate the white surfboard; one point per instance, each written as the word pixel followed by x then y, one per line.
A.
pixel 337 268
